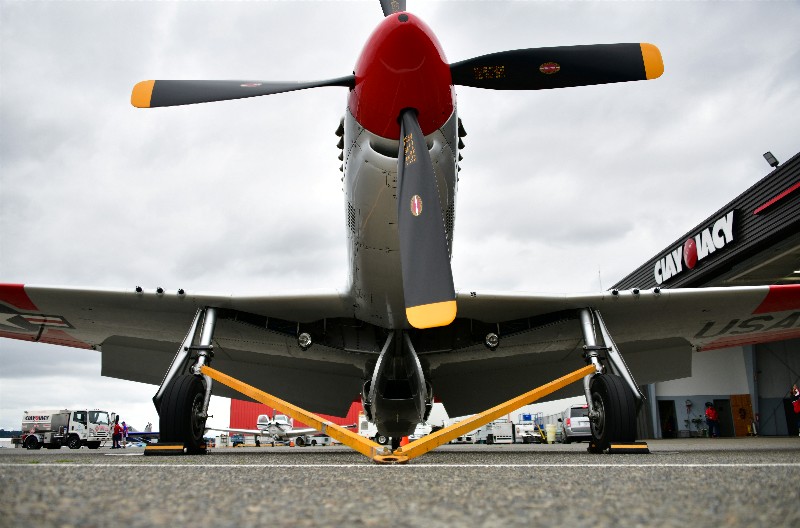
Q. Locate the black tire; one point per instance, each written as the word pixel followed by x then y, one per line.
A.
pixel 74 442
pixel 615 405
pixel 300 441
pixel 179 416
pixel 381 439
pixel 489 439
pixel 31 442
pixel 564 438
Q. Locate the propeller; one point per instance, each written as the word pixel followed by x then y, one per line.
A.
pixel 392 6
pixel 559 67
pixel 152 94
pixel 424 256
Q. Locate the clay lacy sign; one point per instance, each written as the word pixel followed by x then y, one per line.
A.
pixel 695 249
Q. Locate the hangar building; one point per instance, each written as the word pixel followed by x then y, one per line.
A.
pixel 753 240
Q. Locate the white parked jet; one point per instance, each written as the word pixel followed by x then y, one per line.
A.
pixel 279 427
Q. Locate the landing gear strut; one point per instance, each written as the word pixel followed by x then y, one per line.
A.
pixel 183 398
pixel 613 397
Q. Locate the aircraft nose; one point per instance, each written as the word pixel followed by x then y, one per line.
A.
pixel 402 66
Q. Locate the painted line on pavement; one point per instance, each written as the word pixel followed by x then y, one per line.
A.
pixel 411 465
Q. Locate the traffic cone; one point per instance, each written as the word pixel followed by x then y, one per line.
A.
pixel 404 441
pixel 291 444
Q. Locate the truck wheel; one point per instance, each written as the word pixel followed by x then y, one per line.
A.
pixel 180 419
pixel 381 439
pixel 74 442
pixel 31 442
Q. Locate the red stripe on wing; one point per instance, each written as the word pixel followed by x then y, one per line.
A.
pixel 14 295
pixel 780 299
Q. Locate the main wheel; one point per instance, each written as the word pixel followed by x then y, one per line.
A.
pixel 74 442
pixel 180 416
pixel 615 409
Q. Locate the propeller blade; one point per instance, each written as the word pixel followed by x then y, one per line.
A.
pixel 424 256
pixel 560 67
pixel 152 94
pixel 392 6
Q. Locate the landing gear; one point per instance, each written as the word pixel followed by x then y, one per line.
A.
pixel 183 398
pixel 613 397
pixel 614 411
pixel 182 418
pixel 396 442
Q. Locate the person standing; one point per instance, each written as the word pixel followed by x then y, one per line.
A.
pixel 116 434
pixel 712 419
pixel 796 406
pixel 124 435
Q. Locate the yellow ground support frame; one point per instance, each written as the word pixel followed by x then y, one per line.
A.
pixel 381 454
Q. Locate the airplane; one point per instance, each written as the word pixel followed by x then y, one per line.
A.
pixel 399 331
pixel 277 428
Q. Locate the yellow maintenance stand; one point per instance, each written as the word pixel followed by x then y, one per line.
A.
pixel 382 454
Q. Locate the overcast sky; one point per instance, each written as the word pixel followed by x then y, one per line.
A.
pixel 560 191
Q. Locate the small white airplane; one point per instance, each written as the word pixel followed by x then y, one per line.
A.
pixel 279 427
pixel 399 329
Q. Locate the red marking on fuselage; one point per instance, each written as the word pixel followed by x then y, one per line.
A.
pixel 780 298
pixel 14 295
pixel 402 66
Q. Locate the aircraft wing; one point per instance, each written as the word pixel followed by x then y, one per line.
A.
pixel 278 435
pixel 541 338
pixel 254 432
pixel 138 334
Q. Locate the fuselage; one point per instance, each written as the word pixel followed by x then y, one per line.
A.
pixel 402 66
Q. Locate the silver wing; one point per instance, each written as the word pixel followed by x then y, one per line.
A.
pixel 138 335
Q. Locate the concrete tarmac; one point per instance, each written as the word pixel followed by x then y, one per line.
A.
pixel 752 482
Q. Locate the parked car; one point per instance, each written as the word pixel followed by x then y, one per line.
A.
pixel 575 425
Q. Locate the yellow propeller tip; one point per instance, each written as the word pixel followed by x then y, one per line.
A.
pixel 431 315
pixel 142 93
pixel 653 63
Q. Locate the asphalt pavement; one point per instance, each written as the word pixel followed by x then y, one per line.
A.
pixel 752 482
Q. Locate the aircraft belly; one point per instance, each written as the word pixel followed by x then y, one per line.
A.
pixel 371 202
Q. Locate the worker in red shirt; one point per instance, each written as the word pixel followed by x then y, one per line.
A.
pixel 117 434
pixel 712 419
